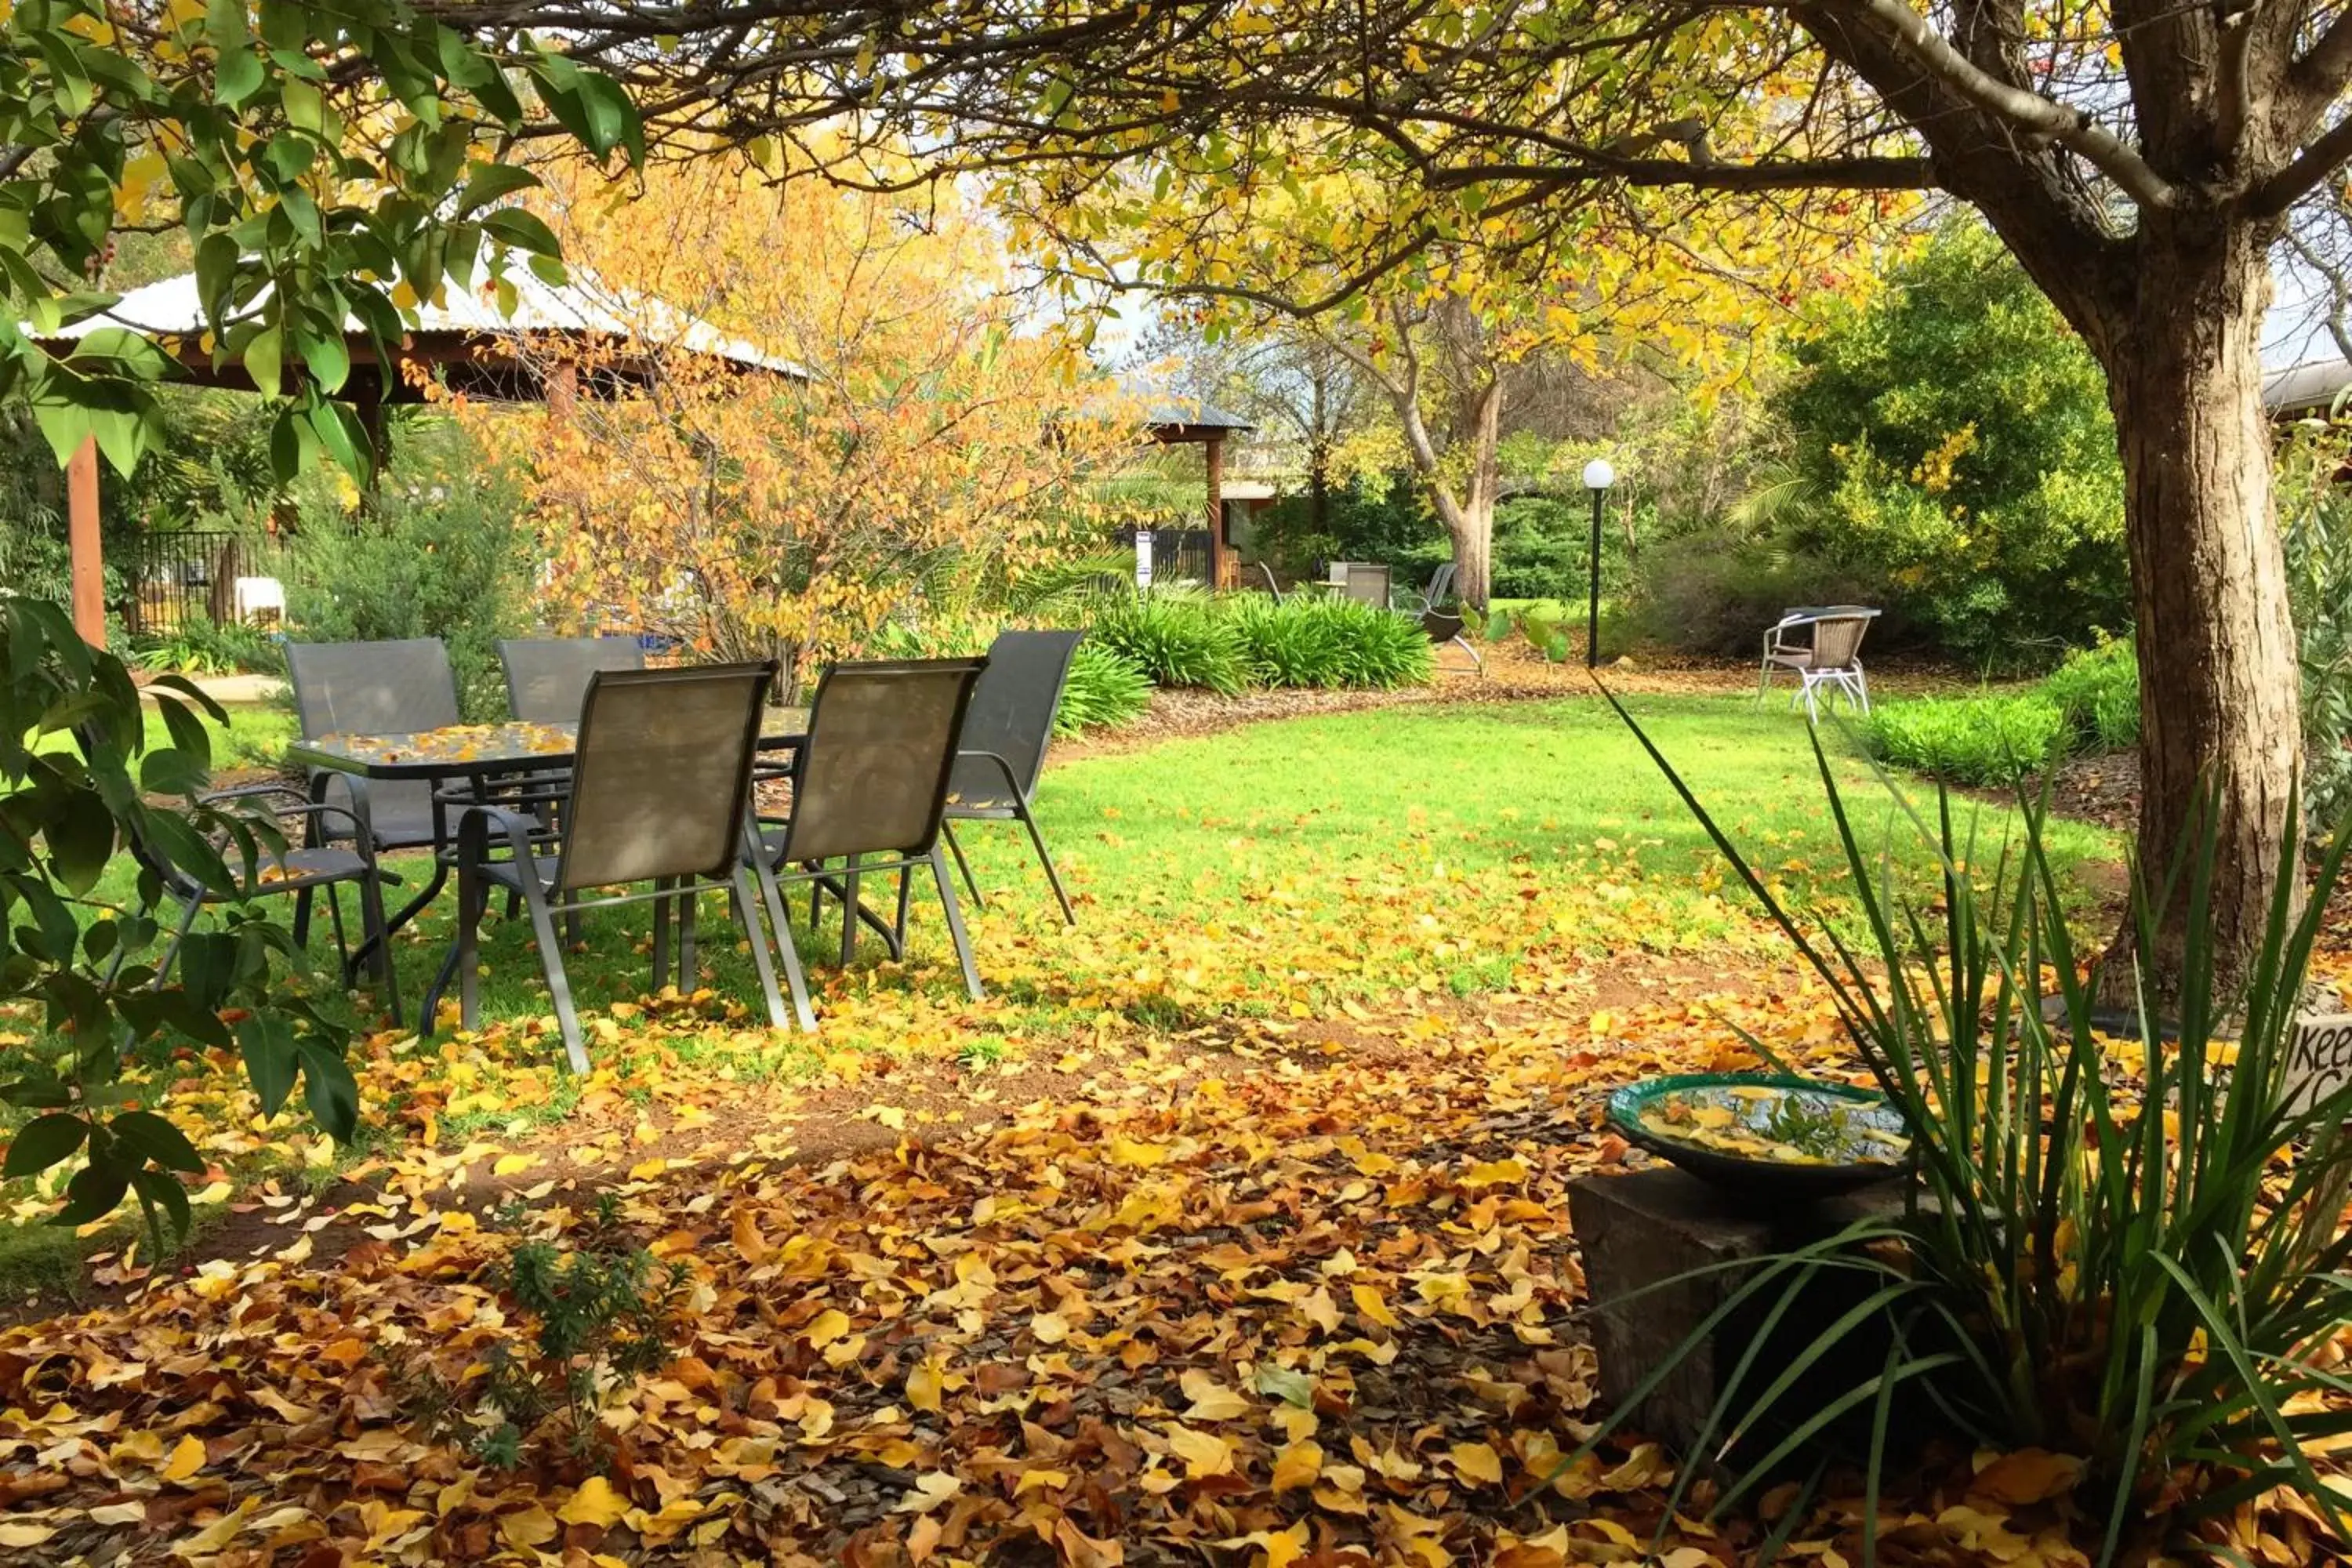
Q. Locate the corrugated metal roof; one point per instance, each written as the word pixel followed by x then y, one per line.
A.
pixel 580 308
pixel 2312 386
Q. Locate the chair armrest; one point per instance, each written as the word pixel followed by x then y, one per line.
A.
pixel 480 822
pixel 1011 782
pixel 308 805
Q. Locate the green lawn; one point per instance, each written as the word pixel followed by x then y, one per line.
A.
pixel 1318 834
pixel 256 735
pixel 1279 871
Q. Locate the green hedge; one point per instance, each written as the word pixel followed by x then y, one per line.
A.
pixel 2098 691
pixel 1304 642
pixel 1228 643
pixel 1177 641
pixel 1969 739
pixel 1104 690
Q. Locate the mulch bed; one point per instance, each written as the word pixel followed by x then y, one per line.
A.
pixel 2104 789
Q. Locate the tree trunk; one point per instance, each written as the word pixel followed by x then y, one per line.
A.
pixel 1470 524
pixel 2220 686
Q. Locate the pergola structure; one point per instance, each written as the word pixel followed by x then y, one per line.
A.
pixel 465 343
pixel 1174 425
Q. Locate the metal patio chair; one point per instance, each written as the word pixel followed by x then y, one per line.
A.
pixel 298 871
pixel 1823 646
pixel 660 792
pixel 1001 750
pixel 869 790
pixel 1366 584
pixel 547 678
pixel 391 688
pixel 1438 591
pixel 547 682
pixel 1445 626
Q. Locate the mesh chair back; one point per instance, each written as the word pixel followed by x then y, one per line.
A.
pixel 873 771
pixel 662 777
pixel 1441 584
pixel 1011 715
pixel 547 678
pixel 377 689
pixel 1367 585
pixel 372 687
pixel 1837 639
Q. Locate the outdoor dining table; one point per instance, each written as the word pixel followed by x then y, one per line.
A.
pixel 470 755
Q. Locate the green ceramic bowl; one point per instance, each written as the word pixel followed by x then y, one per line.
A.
pixel 1855 1135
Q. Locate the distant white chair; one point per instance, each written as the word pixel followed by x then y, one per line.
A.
pixel 250 598
pixel 1823 646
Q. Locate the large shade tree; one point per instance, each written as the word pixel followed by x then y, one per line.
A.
pixel 2140 158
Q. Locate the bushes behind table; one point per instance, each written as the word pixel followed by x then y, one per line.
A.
pixel 1177 640
pixel 445 560
pixel 1335 643
pixel 1989 740
pixel 1104 690
pixel 2098 691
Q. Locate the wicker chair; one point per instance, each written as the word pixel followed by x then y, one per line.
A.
pixel 1822 647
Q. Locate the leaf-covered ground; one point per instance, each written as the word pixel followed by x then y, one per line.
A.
pixel 1229 1231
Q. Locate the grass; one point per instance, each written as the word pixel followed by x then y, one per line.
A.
pixel 1281 861
pixel 1277 871
pixel 257 736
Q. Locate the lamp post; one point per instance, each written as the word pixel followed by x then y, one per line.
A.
pixel 1598 477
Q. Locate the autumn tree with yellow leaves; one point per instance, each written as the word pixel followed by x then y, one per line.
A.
pixel 885 419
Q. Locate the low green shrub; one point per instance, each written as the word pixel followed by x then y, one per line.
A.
pixel 447 561
pixel 1104 691
pixel 1969 739
pixel 1176 641
pixel 1545 637
pixel 2098 691
pixel 1325 642
pixel 201 647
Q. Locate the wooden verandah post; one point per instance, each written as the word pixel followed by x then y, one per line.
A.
pixel 1224 571
pixel 88 569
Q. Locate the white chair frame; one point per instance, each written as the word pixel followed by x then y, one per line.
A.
pixel 1783 651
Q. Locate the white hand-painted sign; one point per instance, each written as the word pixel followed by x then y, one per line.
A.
pixel 2318 1059
pixel 1143 558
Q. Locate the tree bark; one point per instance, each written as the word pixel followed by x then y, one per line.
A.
pixel 2219 685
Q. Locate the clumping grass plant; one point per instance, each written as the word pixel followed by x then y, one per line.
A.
pixel 1176 640
pixel 2128 1249
pixel 1326 642
pixel 1104 690
pixel 1987 740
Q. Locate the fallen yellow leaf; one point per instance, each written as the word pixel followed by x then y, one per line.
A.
pixel 595 1503
pixel 187 1458
pixel 1478 1462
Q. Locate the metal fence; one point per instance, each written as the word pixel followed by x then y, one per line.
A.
pixel 172 579
pixel 1178 554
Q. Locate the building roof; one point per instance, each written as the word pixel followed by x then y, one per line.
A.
pixel 174 309
pixel 2310 387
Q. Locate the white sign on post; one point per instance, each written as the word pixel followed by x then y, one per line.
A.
pixel 2318 1059
pixel 1143 558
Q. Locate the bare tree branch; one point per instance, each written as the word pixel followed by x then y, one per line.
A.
pixel 2316 163
pixel 2073 128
